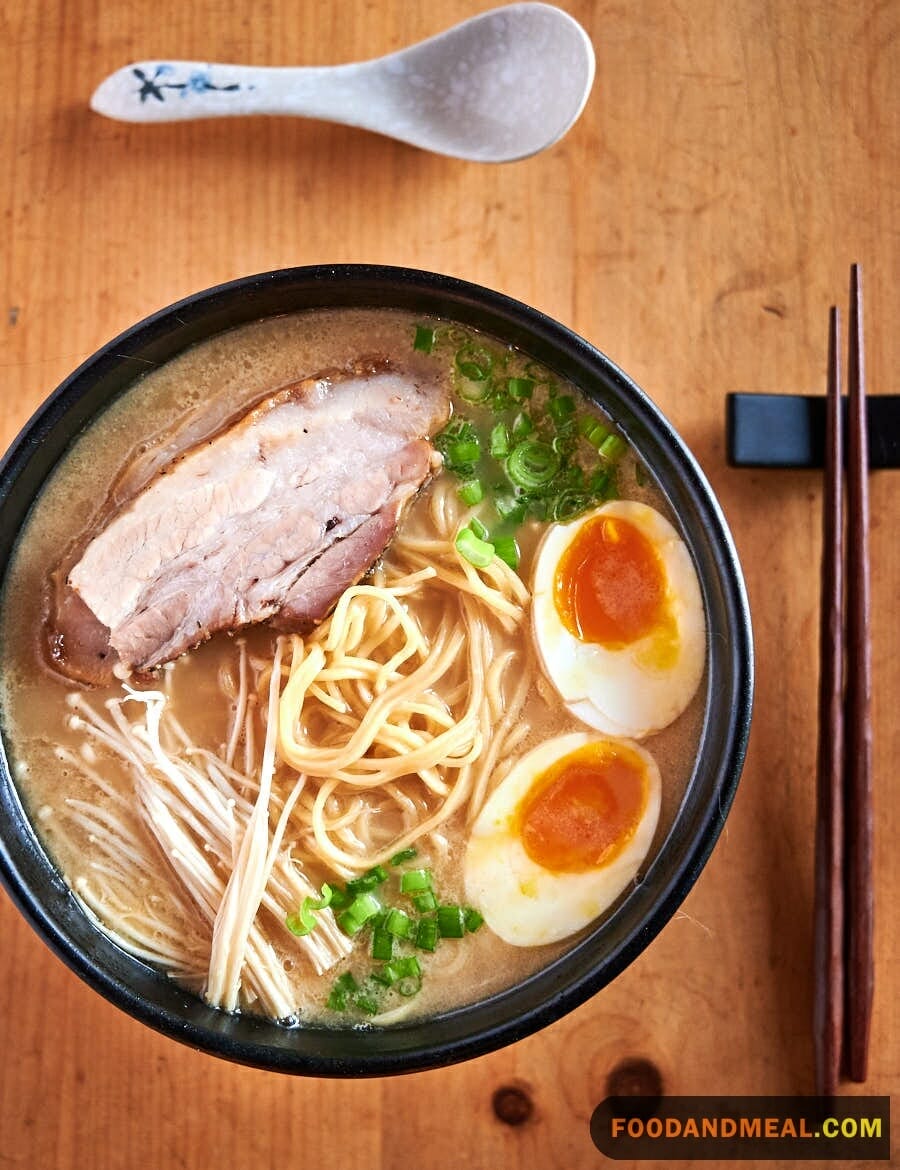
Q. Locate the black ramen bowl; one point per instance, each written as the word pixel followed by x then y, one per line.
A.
pixel 46 901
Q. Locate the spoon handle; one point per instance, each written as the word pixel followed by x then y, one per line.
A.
pixel 175 91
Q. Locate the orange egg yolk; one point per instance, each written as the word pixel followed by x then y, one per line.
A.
pixel 610 586
pixel 582 811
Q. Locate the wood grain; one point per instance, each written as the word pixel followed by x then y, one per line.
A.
pixel 735 157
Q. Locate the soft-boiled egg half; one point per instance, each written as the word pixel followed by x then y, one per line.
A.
pixel 618 618
pixel 562 836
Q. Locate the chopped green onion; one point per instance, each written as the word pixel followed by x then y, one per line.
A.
pixel 415 881
pixel 382 944
pixel 367 1003
pixel 403 974
pixel 474 362
pixel 398 923
pixel 472 918
pixel 451 921
pixel 340 898
pixel 593 430
pixel 532 464
pixel 571 478
pixel 427 934
pixel 457 428
pixel 563 443
pixel 367 881
pixel 512 509
pixel 499 441
pixel 463 451
pixel 569 505
pixel 361 910
pixel 612 448
pixel 520 388
pixel 473 390
pixel 522 425
pixel 402 968
pixel 478 528
pixel 305 920
pixel 640 475
pixel 302 922
pixel 458 443
pixel 343 987
pixel 477 552
pixel 424 340
pixel 506 548
pixel 561 408
pixel 499 401
pixel 471 492
pixel 603 485
pixel 406 975
pixel 389 927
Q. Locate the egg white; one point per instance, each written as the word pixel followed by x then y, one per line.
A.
pixel 524 903
pixel 622 691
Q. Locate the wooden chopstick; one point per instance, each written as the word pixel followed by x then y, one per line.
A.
pixel 842 1003
pixel 858 894
pixel 828 1000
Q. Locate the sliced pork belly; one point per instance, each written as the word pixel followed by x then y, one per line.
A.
pixel 272 518
pixel 312 596
pixel 76 644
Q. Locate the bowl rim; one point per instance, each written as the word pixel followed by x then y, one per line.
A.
pixel 483 1026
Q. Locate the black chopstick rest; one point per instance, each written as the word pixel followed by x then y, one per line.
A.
pixel 788 430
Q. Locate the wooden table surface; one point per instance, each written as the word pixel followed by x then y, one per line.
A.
pixel 734 158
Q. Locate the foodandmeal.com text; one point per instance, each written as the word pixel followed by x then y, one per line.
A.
pixel 743 1127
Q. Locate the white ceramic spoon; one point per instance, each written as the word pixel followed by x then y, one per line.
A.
pixel 498 87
